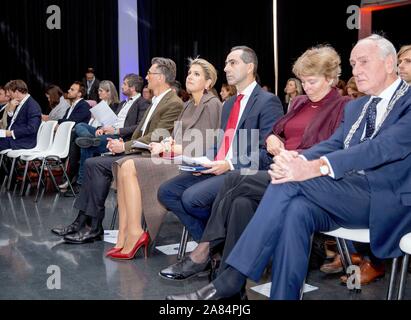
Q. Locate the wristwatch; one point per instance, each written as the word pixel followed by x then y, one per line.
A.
pixel 324 169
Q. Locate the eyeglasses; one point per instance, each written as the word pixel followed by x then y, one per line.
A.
pixel 149 72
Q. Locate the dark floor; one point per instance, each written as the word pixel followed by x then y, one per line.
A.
pixel 30 255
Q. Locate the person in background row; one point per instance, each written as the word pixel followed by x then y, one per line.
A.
pixel 292 89
pixel 404 63
pixel 341 87
pixel 352 90
pixel 227 91
pixel 57 103
pixel 24 118
pixel 147 94
pixel 4 101
pixel 91 83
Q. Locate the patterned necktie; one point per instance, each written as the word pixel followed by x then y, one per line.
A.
pixel 371 116
pixel 229 129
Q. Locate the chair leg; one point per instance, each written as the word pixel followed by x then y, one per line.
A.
pixel 114 218
pixel 403 279
pixel 11 174
pixel 52 178
pixel 39 182
pixel 66 176
pixel 183 244
pixel 391 285
pixel 23 183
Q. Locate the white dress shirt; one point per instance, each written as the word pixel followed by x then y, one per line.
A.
pixel 122 115
pixel 382 106
pixel 247 93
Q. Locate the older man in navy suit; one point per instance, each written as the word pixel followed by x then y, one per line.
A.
pixel 246 121
pixel 24 118
pixel 358 178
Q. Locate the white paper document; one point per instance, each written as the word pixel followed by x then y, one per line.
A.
pixel 110 236
pixel 265 289
pixel 197 160
pixel 2 133
pixel 140 145
pixel 103 113
pixel 172 249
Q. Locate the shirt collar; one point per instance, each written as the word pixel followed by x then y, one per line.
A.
pixel 388 92
pixel 24 100
pixel 161 96
pixel 249 89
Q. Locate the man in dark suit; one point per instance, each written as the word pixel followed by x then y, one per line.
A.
pixel 359 178
pixel 91 83
pixel 24 118
pixel 246 121
pixel 79 110
pixel 129 113
pixel 158 120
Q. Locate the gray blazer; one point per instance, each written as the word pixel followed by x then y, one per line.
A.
pixel 206 117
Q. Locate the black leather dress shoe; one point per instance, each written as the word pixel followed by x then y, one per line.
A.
pixel 88 142
pixel 72 228
pixel 84 235
pixel 186 269
pixel 209 292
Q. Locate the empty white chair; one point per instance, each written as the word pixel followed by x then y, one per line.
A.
pixel 405 246
pixel 44 141
pixel 58 150
pixel 358 235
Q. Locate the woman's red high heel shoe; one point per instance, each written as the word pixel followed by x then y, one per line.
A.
pixel 142 242
pixel 113 250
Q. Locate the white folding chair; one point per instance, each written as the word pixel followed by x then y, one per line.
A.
pixel 44 140
pixel 58 150
pixel 405 246
pixel 358 235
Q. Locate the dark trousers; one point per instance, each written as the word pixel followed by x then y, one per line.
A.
pixel 96 186
pixel 5 144
pixel 285 221
pixel 233 209
pixel 190 198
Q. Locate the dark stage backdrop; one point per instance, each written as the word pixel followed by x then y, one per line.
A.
pixel 30 51
pixel 187 28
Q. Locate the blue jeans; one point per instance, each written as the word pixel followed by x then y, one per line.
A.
pixel 85 130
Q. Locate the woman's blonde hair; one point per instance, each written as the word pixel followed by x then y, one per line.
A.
pixel 319 60
pixel 210 72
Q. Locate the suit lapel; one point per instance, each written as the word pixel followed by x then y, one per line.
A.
pixel 250 104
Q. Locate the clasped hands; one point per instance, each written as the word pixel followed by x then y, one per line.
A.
pixel 115 145
pixel 288 167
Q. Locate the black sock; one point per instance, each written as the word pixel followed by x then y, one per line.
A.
pixel 230 282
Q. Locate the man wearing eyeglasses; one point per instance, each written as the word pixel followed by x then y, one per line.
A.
pixel 164 110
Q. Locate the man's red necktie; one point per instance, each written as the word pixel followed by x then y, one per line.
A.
pixel 229 129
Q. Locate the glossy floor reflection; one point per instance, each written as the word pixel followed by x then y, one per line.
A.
pixel 30 254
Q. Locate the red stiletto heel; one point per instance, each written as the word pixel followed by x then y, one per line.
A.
pixel 113 250
pixel 142 242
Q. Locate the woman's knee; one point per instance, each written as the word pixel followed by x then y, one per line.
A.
pixel 127 169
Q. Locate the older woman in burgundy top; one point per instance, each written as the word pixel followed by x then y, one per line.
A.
pixel 313 117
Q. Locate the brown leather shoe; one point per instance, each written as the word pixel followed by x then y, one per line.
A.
pixel 336 265
pixel 369 272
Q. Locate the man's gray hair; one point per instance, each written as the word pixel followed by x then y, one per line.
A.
pixel 385 46
pixel 248 56
pixel 167 67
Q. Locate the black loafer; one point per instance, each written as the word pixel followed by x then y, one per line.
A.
pixel 72 228
pixel 209 292
pixel 84 236
pixel 186 269
pixel 88 142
